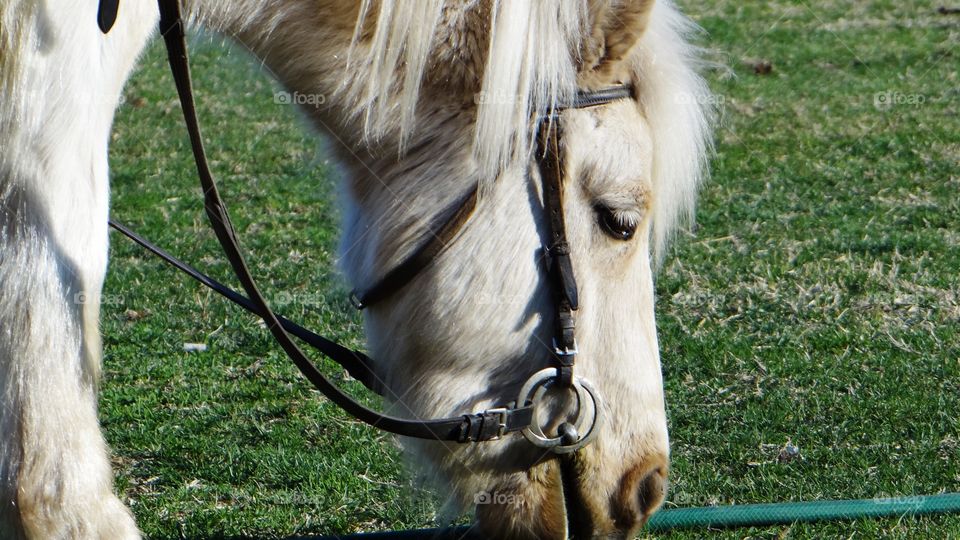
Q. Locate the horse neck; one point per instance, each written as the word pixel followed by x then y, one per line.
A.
pixel 392 191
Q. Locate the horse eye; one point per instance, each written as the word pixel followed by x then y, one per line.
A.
pixel 615 224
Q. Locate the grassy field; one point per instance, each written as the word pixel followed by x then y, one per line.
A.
pixel 816 304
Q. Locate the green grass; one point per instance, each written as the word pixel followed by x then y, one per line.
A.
pixel 817 302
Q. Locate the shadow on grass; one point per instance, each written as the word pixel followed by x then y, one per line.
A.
pixel 463 532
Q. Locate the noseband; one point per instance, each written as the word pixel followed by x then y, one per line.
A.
pixel 487 425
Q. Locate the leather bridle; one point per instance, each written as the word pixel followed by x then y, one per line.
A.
pixel 490 424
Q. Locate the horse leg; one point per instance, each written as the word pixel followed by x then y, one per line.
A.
pixel 56 480
pixel 60 79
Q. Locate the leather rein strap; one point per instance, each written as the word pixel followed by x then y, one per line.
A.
pixel 487 425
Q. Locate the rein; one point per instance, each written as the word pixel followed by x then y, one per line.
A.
pixel 490 424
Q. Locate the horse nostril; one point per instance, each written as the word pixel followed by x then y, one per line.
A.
pixel 641 491
pixel 651 491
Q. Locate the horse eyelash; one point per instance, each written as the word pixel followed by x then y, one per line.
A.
pixel 629 217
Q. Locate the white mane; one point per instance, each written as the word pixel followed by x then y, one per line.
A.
pixel 680 110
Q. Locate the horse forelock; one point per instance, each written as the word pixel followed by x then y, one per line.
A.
pixel 509 58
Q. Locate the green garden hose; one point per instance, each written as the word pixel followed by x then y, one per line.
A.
pixel 754 515
pixel 741 515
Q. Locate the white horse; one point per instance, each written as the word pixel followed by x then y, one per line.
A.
pixel 424 99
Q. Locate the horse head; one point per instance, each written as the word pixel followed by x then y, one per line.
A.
pixel 433 99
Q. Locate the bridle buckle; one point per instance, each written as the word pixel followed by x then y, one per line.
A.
pixel 565 351
pixel 502 425
pixel 355 301
pixel 489 425
pixel 565 358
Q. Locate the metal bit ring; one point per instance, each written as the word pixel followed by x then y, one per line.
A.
pixel 586 427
